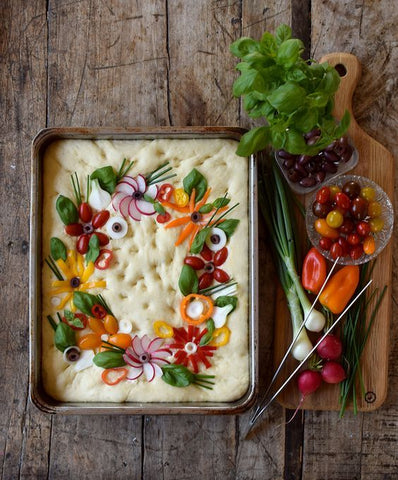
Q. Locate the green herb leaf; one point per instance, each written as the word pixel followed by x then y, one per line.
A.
pixel 199 241
pixel 221 202
pixel 243 46
pixel 283 33
pixel 109 359
pixel 195 180
pixel 225 300
pixel 253 141
pixel 206 208
pixel 72 320
pixel 177 375
pixel 93 249
pixel 64 337
pixel 289 52
pixel 106 177
pixel 85 302
pixel 228 226
pixel 287 98
pixel 57 249
pixel 67 210
pixel 207 337
pixel 188 281
pixel 159 208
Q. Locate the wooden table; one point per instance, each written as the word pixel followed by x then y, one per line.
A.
pixel 167 62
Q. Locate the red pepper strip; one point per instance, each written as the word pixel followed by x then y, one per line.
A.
pixel 105 374
pixel 104 259
pixel 165 192
pixel 98 311
pixel 314 271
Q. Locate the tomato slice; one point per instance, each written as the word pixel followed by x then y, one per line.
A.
pixel 104 259
pixel 165 192
pixel 81 317
pixel 163 218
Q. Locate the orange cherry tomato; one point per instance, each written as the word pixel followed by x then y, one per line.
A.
pixel 369 245
pixel 96 325
pixel 111 324
pixel 323 229
pixel 122 340
pixel 89 341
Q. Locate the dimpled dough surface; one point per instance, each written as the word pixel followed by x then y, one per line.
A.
pixel 142 282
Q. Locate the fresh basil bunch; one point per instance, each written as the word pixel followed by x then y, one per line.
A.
pixel 293 95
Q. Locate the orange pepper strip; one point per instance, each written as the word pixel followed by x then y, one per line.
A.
pixel 178 222
pixel 206 315
pixel 185 233
pixel 194 233
pixel 175 207
pixel 109 371
pixel 204 199
pixel 192 201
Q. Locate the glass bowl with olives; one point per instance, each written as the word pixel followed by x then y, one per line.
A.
pixel 305 173
pixel 350 218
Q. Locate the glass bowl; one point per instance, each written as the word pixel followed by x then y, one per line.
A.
pixel 381 238
pixel 342 167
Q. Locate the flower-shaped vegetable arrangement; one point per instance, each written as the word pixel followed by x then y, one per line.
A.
pixel 89 333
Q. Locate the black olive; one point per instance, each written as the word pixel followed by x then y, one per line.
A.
pixel 116 227
pixel 88 228
pixel 196 217
pixel 74 282
pixel 137 195
pixel 209 267
pixel 72 354
pixel 215 239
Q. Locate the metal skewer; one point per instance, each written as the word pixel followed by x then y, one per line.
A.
pixel 262 409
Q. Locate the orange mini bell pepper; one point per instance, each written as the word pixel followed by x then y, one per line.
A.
pixel 340 288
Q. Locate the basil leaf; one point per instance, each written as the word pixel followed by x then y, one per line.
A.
pixel 159 208
pixel 188 281
pixel 64 337
pixel 84 302
pixel 207 208
pixel 199 241
pixel 93 249
pixel 177 375
pixel 147 198
pixel 249 80
pixel 243 46
pixel 221 202
pixel 344 124
pixel 67 210
pixel 253 141
pixel 107 178
pixel 195 180
pixel 289 52
pixel 225 300
pixel 283 33
pixel 207 337
pixel 287 98
pixel 72 320
pixel 228 226
pixel 109 359
pixel 57 249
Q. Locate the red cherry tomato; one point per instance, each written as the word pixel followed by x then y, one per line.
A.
pixel 103 239
pixel 195 262
pixel 344 245
pixel 363 228
pixel 100 219
pixel 165 192
pixel 205 280
pixel 220 256
pixel 353 239
pixel 206 253
pixel 336 250
pixel 81 317
pixel 220 275
pixel 85 212
pixel 325 243
pixel 163 218
pixel 74 229
pixel 104 259
pixel 82 243
pixel 347 226
pixel 323 195
pixel 342 200
pixel 356 251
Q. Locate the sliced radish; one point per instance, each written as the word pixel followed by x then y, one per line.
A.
pixel 140 179
pixel 149 370
pixel 126 188
pixel 145 341
pixel 129 180
pixel 116 199
pixel 124 206
pixel 152 191
pixel 145 207
pixel 134 213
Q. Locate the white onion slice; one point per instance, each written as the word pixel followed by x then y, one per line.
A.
pixel 121 229
pixel 214 247
pixel 231 290
pixel 125 326
pixel 85 360
pixel 146 208
pixel 220 314
pixel 134 213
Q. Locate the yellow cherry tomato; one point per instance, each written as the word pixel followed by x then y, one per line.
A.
pixel 333 190
pixel 181 197
pixel 220 337
pixel 323 229
pixel 376 224
pixel 368 193
pixel 96 325
pixel 163 329
pixel 334 219
pixel 374 209
pixel 369 245
pixel 122 340
pixel 89 341
pixel 111 324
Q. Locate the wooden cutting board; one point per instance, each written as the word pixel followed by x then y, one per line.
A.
pixel 376 163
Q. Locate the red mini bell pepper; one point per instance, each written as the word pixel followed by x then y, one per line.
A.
pixel 314 271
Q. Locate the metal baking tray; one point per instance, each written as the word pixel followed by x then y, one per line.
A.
pixel 37 393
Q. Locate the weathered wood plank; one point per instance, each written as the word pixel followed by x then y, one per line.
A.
pixel 22 110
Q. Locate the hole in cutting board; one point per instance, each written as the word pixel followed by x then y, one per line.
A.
pixel 341 70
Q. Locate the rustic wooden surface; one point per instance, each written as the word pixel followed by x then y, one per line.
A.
pixel 166 62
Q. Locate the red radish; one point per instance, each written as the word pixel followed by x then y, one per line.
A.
pixel 333 372
pixel 126 188
pixel 330 348
pixel 133 211
pixel 144 207
pixel 129 180
pixel 308 382
pixel 152 191
pixel 140 179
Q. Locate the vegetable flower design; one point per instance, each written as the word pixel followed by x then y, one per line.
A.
pixel 189 350
pixel 146 356
pixel 76 278
pixel 132 197
pixel 209 263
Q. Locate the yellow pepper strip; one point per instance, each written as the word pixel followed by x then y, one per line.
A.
pixel 88 271
pixel 57 291
pixel 71 262
pixel 181 197
pixel 223 332
pixel 88 285
pixel 80 266
pixel 163 329
pixel 64 268
pixel 60 283
pixel 65 300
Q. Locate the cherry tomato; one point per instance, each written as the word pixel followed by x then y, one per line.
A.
pixel 81 317
pixel 323 229
pixel 220 256
pixel 369 245
pixel 96 325
pixel 344 245
pixel 356 251
pixel 336 250
pixel 111 324
pixel 74 229
pixel 359 208
pixel 205 280
pixel 376 224
pixel 334 219
pixel 82 243
pixel 363 228
pixel 368 193
pixel 100 219
pixel 122 340
pixel 104 259
pixel 325 243
pixel 323 195
pixel 347 226
pixel 220 275
pixel 320 210
pixel 181 197
pixel 85 212
pixel 89 341
pixel 353 239
pixel 103 239
pixel 333 190
pixel 165 192
pixel 163 218
pixel 374 209
pixel 195 262
pixel 351 189
pixel 98 311
pixel 342 200
pixel 206 253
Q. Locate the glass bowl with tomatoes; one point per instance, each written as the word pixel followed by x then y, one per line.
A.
pixel 350 217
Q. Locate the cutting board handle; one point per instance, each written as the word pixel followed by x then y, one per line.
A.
pixel 349 68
